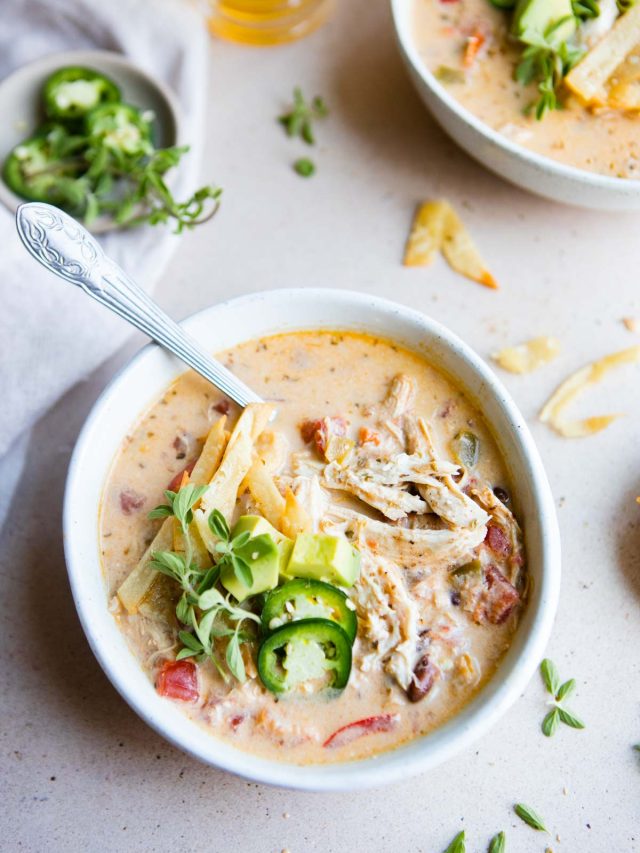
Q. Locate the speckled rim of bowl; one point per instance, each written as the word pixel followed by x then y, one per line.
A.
pixel 142 381
pixel 401 11
pixel 31 76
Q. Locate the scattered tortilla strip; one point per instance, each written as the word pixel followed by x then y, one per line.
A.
pixel 596 75
pixel 236 462
pixel 426 235
pixel 437 227
pixel 632 324
pixel 265 493
pixel 590 374
pixel 137 586
pixel 295 518
pixel 528 356
pixel 461 253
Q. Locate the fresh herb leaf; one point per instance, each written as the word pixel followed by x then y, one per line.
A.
pixel 162 511
pixel 550 722
pixel 570 719
pixel 636 746
pixel 550 676
pixel 457 845
pixel 234 659
pixel 530 817
pixel 498 843
pixel 299 120
pixel 242 570
pixel 184 501
pixel 585 10
pixel 305 167
pixel 566 689
pixel 218 525
pixel 559 691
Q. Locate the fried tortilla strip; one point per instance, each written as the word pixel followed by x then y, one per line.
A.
pixel 590 77
pixel 529 356
pixel 236 462
pixel 590 374
pixel 138 585
pixel 426 235
pixel 437 227
pixel 265 493
pixel 295 518
pixel 461 252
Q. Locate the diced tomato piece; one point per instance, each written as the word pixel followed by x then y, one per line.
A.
pixel 497 540
pixel 368 436
pixel 368 726
pixel 174 485
pixel 131 501
pixel 236 720
pixel 320 431
pixel 178 679
pixel 500 597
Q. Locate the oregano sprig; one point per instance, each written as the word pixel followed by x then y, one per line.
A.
pixel 206 614
pixel 547 64
pixel 298 121
pixel 559 691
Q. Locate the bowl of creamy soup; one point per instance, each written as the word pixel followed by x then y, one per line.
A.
pixel 334 588
pixel 542 92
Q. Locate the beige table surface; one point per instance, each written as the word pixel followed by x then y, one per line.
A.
pixel 79 770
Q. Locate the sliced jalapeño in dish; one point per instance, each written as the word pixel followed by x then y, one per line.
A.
pixel 308 599
pixel 72 92
pixel 313 652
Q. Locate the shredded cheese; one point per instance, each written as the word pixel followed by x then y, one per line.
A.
pixel 553 411
pixel 529 356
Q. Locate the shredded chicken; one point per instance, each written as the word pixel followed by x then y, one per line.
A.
pixel 391 501
pixel 428 549
pixel 389 617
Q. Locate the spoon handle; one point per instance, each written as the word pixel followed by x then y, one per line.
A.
pixel 67 249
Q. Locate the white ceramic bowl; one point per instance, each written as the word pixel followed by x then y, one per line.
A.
pixel 515 163
pixel 225 325
pixel 21 105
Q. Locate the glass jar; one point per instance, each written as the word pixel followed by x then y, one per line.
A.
pixel 266 22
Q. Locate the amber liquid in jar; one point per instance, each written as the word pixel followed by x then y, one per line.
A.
pixel 267 22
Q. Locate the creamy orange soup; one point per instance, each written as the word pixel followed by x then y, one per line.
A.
pixel 607 142
pixel 441 583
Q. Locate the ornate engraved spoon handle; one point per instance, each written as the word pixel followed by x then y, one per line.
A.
pixel 67 249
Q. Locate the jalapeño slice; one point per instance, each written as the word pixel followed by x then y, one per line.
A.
pixel 308 599
pixel 311 650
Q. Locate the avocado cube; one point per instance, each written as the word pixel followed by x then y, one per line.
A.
pixel 257 526
pixel 534 21
pixel 322 557
pixel 263 556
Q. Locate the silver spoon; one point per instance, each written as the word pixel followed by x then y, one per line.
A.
pixel 69 251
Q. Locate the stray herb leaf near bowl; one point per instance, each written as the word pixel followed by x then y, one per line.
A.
pixel 326 585
pixel 93 156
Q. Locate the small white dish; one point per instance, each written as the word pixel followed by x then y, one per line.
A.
pixel 145 379
pixel 22 111
pixel 515 163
